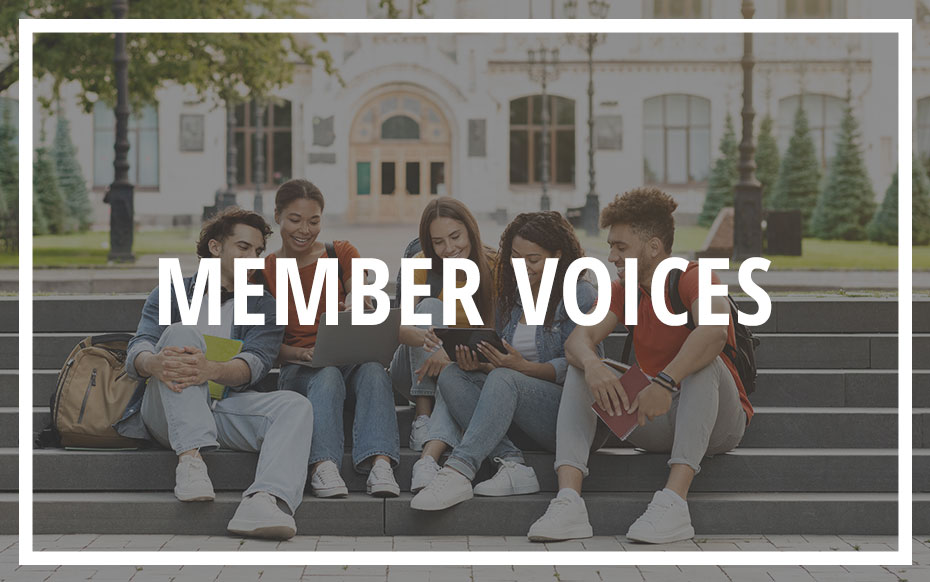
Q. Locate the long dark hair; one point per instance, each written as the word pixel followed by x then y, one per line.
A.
pixel 552 232
pixel 446 207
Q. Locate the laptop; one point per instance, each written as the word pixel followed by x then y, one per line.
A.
pixel 345 344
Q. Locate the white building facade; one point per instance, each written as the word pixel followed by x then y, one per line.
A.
pixel 420 116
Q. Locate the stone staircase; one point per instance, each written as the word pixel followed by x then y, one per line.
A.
pixel 819 457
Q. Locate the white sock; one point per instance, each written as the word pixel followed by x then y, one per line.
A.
pixel 676 497
pixel 568 493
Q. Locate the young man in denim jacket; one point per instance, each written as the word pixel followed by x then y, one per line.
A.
pixel 176 409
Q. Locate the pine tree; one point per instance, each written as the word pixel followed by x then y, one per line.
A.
pixel 723 177
pixel 847 203
pixel 9 181
pixel 49 205
pixel 71 179
pixel 767 160
pixel 798 181
pixel 884 225
pixel 920 204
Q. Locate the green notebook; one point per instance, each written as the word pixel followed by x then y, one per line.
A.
pixel 220 349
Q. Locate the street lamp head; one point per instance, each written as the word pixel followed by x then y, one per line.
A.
pixel 598 8
pixel 570 8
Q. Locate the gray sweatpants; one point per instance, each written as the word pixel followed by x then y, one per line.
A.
pixel 706 418
pixel 276 425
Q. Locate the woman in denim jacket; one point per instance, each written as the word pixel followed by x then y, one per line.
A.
pixel 522 386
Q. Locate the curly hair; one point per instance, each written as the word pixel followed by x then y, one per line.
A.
pixel 221 227
pixel 647 210
pixel 446 207
pixel 552 232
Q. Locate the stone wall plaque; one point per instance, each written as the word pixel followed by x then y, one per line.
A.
pixel 323 134
pixel 192 129
pixel 322 157
pixel 608 132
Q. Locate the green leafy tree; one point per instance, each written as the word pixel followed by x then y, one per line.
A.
pixel 847 203
pixel 723 176
pixel 798 181
pixel 884 226
pixel 49 207
pixel 767 160
pixel 70 178
pixel 218 64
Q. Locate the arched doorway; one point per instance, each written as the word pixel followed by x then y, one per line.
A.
pixel 399 158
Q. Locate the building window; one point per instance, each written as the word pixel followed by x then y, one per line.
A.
pixel 676 139
pixel 923 129
pixel 526 150
pixel 812 9
pixel 677 8
pixel 824 116
pixel 276 134
pixel 400 127
pixel 143 146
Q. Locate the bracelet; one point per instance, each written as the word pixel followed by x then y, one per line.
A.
pixel 667 378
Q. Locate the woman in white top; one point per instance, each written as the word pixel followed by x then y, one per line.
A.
pixel 523 385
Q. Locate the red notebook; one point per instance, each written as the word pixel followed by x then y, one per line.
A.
pixel 633 381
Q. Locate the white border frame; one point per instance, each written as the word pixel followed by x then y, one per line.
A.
pixel 901 27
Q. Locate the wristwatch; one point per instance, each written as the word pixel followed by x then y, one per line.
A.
pixel 666 381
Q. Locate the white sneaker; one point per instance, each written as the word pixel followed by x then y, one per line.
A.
pixel 666 520
pixel 423 472
pixel 259 516
pixel 565 519
pixel 448 488
pixel 327 482
pixel 192 483
pixel 381 482
pixel 511 479
pixel 419 431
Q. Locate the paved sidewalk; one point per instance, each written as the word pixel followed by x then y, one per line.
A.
pixel 9 570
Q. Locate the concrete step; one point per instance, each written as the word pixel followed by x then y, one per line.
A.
pixel 771 427
pixel 857 388
pixel 361 515
pixel 758 470
pixel 77 313
pixel 783 351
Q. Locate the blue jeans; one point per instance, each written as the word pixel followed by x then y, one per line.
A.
pixel 486 404
pixel 407 359
pixel 273 425
pixel 374 430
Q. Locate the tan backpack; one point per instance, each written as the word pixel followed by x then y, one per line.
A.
pixel 92 393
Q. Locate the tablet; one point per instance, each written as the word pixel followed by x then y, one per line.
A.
pixel 468 336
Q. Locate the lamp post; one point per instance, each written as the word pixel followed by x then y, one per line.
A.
pixel 120 194
pixel 747 224
pixel 228 196
pixel 597 9
pixel 259 173
pixel 543 69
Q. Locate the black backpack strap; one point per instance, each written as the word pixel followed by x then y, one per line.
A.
pixel 331 253
pixel 678 306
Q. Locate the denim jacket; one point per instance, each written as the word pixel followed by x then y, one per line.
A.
pixel 550 343
pixel 260 345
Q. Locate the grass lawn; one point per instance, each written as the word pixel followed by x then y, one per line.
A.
pixel 91 248
pixel 818 254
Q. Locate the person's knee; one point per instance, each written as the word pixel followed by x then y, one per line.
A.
pixel 178 334
pixel 451 374
pixel 372 376
pixel 502 379
pixel 432 306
